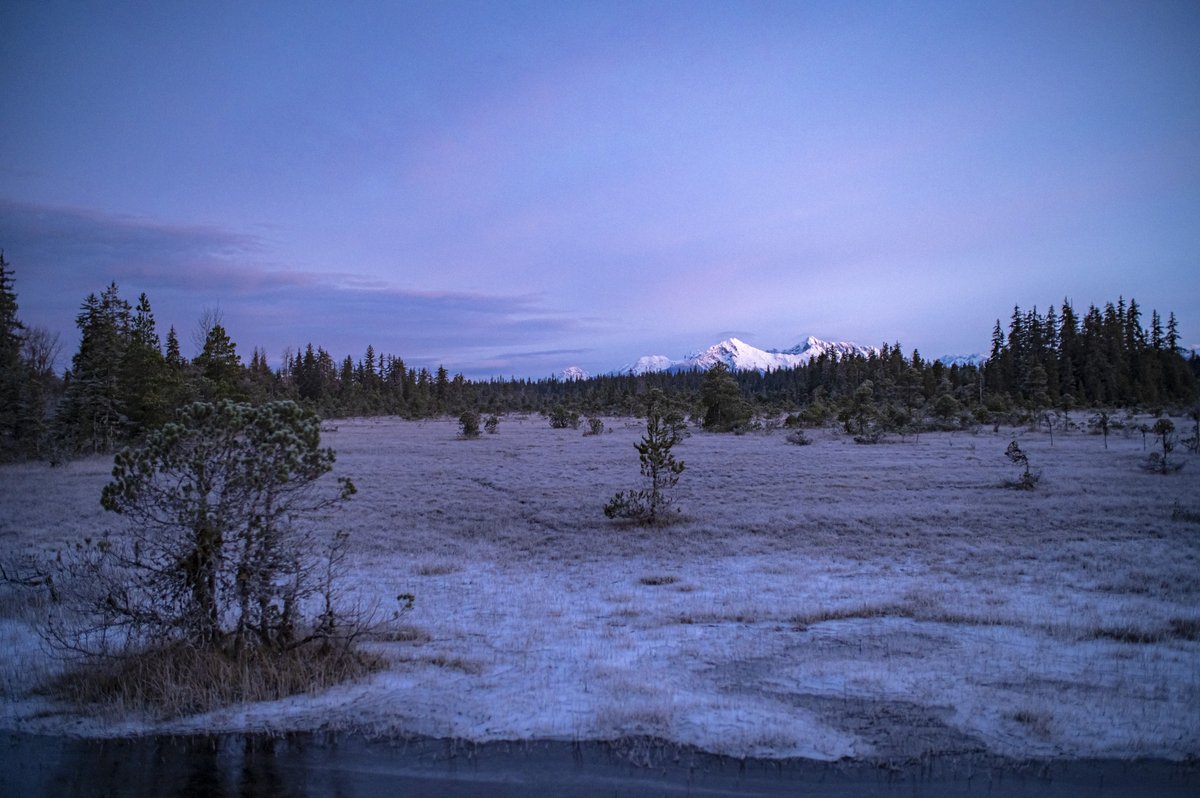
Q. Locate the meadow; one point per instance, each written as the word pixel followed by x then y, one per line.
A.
pixel 833 600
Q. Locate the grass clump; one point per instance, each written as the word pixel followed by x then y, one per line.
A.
pixel 178 679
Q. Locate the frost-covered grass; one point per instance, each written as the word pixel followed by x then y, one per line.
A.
pixel 825 601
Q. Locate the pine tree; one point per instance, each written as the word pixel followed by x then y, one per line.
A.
pixel 90 417
pixel 1172 338
pixel 658 465
pixel 145 397
pixel 724 407
pixel 221 370
pixel 174 357
pixel 12 376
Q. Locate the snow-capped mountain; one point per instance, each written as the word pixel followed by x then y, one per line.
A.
pixel 573 373
pixel 962 360
pixel 741 356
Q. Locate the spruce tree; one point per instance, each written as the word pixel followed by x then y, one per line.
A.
pixel 659 467
pixel 144 391
pixel 724 407
pixel 91 417
pixel 12 376
pixel 220 368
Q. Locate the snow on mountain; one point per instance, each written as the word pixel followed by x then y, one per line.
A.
pixel 962 360
pixel 741 356
pixel 813 348
pixel 573 373
pixel 648 364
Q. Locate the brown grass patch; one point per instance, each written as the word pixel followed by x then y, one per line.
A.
pixel 437 569
pixel 179 680
pixel 404 633
pixel 658 579
pixel 453 663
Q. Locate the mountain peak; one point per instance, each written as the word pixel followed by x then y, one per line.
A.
pixel 741 356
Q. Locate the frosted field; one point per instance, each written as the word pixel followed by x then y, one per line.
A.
pixel 825 601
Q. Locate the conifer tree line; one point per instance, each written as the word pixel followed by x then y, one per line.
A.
pixel 1106 357
pixel 127 378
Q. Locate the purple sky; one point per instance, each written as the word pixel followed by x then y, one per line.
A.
pixel 510 189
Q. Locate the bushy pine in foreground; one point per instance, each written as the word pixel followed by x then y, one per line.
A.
pixel 218 569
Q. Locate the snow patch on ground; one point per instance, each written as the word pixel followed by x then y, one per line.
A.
pixel 828 601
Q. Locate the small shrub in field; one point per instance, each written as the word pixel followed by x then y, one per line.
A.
pixel 1192 442
pixel 595 426
pixel 562 417
pixel 1028 480
pixel 1101 422
pixel 1160 462
pixel 492 425
pixel 468 424
pixel 869 436
pixel 659 467
pixel 798 438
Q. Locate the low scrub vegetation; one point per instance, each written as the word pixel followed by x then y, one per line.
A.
pixel 218 590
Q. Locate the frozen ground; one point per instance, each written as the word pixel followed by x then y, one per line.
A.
pixel 825 601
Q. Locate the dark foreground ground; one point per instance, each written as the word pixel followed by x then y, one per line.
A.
pixel 349 766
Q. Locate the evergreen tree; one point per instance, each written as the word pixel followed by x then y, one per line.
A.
pixel 12 376
pixel 174 357
pixel 145 395
pixel 724 407
pixel 90 417
pixel 659 467
pixel 220 369
pixel 1172 339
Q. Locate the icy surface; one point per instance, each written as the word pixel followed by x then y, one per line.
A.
pixel 825 601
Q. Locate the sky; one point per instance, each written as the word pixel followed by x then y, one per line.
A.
pixel 509 189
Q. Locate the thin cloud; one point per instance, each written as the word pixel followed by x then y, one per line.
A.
pixel 61 255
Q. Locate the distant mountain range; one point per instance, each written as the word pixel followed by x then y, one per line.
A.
pixel 962 360
pixel 741 356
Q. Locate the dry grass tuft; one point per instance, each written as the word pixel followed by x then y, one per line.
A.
pixel 453 663
pixel 658 579
pixel 179 680
pixel 1130 634
pixel 403 633
pixel 925 612
pixel 1037 722
pixel 1186 628
pixel 437 568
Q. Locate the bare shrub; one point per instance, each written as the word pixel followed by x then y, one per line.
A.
pixel 1028 479
pixel 492 425
pixel 595 426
